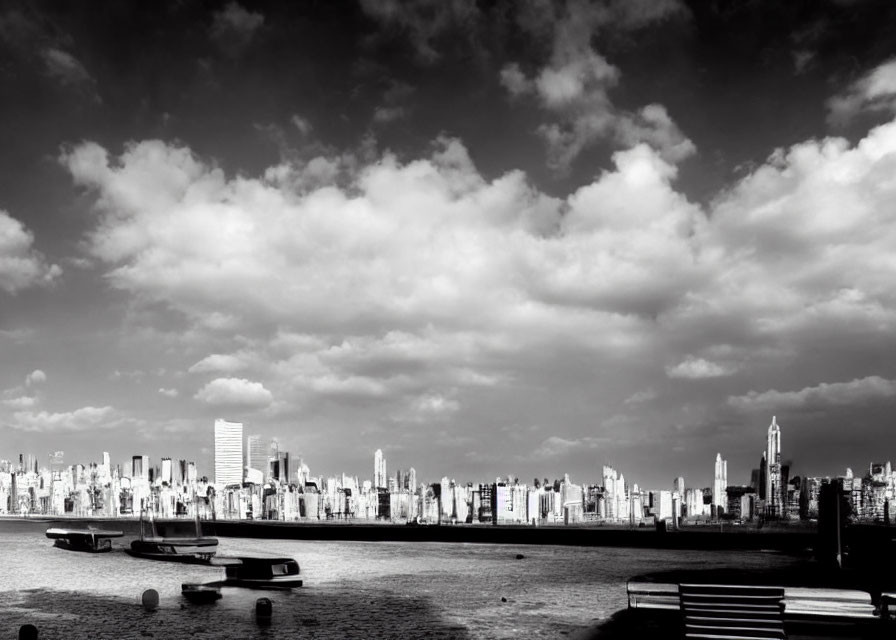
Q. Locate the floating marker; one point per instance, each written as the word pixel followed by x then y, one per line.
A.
pixel 150 599
pixel 27 632
pixel 264 609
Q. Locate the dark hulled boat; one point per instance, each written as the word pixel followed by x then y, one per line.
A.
pixel 89 540
pixel 259 572
pixel 189 549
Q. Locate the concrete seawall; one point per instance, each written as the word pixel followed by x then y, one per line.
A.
pixel 789 541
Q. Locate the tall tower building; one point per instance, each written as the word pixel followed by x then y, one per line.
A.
pixel 720 483
pixel 380 481
pixel 412 480
pixel 258 454
pixel 678 486
pixel 228 452
pixel 773 484
pixel 140 467
pixel 167 474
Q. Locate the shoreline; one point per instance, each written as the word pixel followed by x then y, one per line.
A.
pixel 796 540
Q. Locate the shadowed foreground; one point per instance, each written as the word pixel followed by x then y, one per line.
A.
pixel 304 613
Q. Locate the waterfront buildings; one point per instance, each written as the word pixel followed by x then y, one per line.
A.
pixel 287 491
pixel 228 452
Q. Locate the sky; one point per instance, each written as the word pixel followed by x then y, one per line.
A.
pixel 489 238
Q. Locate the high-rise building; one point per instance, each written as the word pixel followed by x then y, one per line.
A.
pixel 380 480
pixel 774 484
pixel 616 505
pixel 228 452
pixel 140 467
pixel 412 480
pixel 678 486
pixel 282 466
pixel 258 454
pixel 166 474
pixel 720 483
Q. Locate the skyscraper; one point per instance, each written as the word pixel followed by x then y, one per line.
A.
pixel 228 452
pixel 379 470
pixel 678 486
pixel 720 483
pixel 258 454
pixel 773 483
pixel 140 467
pixel 166 474
pixel 412 480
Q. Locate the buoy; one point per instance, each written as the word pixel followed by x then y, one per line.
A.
pixel 27 632
pixel 264 609
pixel 150 599
pixel 520 556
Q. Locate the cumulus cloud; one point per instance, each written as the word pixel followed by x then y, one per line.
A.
pixel 856 392
pixel 555 446
pixel 83 419
pixel 574 86
pixel 695 368
pixel 234 392
pixel 168 393
pixel 21 266
pixel 809 235
pixel 65 68
pixel 402 279
pixel 233 28
pixel 217 362
pixel 35 377
pixel 20 402
pixel 876 90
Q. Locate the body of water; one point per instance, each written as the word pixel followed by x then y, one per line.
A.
pixel 352 589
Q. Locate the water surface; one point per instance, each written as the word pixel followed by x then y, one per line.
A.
pixel 352 589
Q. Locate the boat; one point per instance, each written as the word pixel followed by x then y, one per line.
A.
pixel 259 572
pixel 200 593
pixel 89 540
pixel 196 549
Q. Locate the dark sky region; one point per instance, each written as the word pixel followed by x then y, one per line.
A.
pixel 490 238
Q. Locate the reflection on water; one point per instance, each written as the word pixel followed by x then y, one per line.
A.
pixel 460 585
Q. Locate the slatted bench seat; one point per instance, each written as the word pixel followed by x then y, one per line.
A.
pixel 729 612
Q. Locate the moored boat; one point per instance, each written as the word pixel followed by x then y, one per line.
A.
pixel 89 540
pixel 188 549
pixel 175 549
pixel 259 572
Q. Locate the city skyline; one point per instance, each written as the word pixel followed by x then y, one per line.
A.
pixel 244 487
pixel 491 237
pixel 769 478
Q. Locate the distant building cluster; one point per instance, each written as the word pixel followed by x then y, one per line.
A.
pixel 255 479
